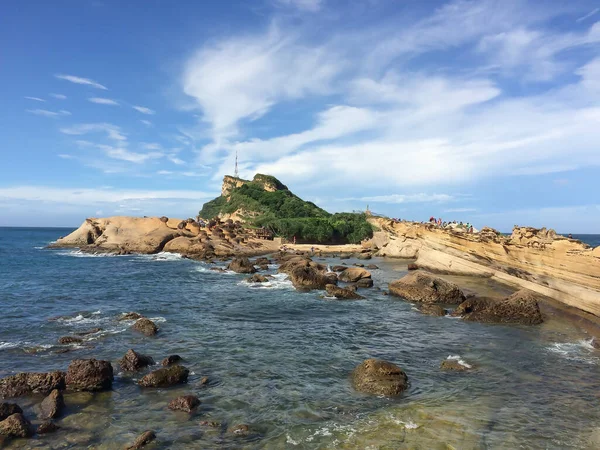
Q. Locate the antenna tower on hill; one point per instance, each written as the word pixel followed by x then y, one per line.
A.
pixel 236 173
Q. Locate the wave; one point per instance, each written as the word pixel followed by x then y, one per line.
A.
pixel 80 254
pixel 80 319
pixel 161 256
pixel 277 281
pixel 459 359
pixel 582 351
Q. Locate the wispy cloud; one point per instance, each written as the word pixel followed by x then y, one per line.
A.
pixel 146 122
pixel 143 110
pixel 112 131
pixel 37 99
pixel 58 96
pixel 103 101
pixel 80 80
pixel 588 15
pixel 46 113
pixel 303 5
pixel 405 198
pixel 151 146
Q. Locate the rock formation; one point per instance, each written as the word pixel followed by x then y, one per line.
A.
pixel 52 406
pixel 186 403
pixel 165 377
pixel 133 361
pixel 521 307
pixel 342 293
pixel 145 326
pixel 423 287
pixel 89 375
pixel 378 377
pixel 31 383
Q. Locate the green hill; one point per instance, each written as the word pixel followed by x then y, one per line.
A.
pixel 266 202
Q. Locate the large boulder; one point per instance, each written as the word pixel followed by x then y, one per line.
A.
pixel 52 406
pixel 89 375
pixel 520 308
pixel 185 403
pixel 423 287
pixel 353 274
pixel 8 409
pixel 241 265
pixel 133 361
pixel 307 278
pixel 30 383
pixel 16 426
pixel 142 440
pixel 342 293
pixel 171 359
pixel 374 376
pixel 165 377
pixel 364 283
pixel 145 326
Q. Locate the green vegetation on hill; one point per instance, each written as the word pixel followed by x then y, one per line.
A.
pixel 287 215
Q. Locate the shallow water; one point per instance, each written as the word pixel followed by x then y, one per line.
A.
pixel 279 360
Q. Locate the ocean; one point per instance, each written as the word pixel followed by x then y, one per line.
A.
pixel 279 360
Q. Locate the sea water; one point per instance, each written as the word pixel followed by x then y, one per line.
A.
pixel 279 360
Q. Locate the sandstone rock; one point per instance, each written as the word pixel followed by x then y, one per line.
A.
pixel 131 316
pixel 257 278
pixel 133 361
pixel 412 266
pixel 8 409
pixel 239 430
pixel 339 268
pixel 423 287
pixel 165 377
pixel 342 293
pixel 171 359
pixel 379 377
pixel 364 283
pixel 241 265
pixel 89 375
pixel 185 403
pixel 520 308
pixel 52 406
pixel 47 427
pixel 28 383
pixel 16 426
pixel 353 274
pixel 142 440
pixel 432 310
pixel 145 326
pixel 358 265
pixel 69 340
pixel 262 261
pixel 345 256
pixel 308 278
pixel 364 256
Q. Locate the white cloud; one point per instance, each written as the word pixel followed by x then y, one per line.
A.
pixel 588 15
pixel 146 122
pixel 58 96
pixel 303 5
pixel 103 101
pixel 65 156
pixel 46 113
pixel 80 80
pixel 143 110
pixel 406 198
pixel 151 146
pixel 37 99
pixel 112 131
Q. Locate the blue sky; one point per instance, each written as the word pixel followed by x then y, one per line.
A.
pixel 482 111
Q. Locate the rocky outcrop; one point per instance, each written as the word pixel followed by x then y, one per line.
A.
pixel 432 310
pixel 257 278
pixel 145 326
pixel 171 359
pixel 142 440
pixel 165 377
pixel 342 293
pixel 8 409
pixel 423 287
pixel 52 406
pixel 31 383
pixel 69 340
pixel 241 265
pixel 379 377
pixel 16 426
pixel 353 274
pixel 186 403
pixel 306 278
pixel 133 361
pixel 520 308
pixel 89 375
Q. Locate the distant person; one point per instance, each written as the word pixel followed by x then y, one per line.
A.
pixel 570 236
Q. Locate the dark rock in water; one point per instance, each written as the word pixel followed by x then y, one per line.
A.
pixel 16 426
pixel 262 261
pixel 264 267
pixel 165 377
pixel 145 326
pixel 69 340
pixel 339 268
pixel 142 440
pixel 241 265
pixel 364 283
pixel 353 274
pixel 379 377
pixel 133 361
pixel 412 266
pixel 423 287
pixel 358 265
pixel 29 383
pixel 185 403
pixel 453 365
pixel 342 293
pixel 89 375
pixel 131 316
pixel 171 359
pixel 345 256
pixel 8 409
pixel 596 343
pixel 308 278
pixel 372 267
pixel 52 406
pixel 88 332
pixel 364 256
pixel 385 293
pixel 47 427
pixel 432 310
pixel 210 423
pixel 239 430
pixel 520 308
pixel 204 381
pixel 257 278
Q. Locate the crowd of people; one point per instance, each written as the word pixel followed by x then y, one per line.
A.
pixel 454 224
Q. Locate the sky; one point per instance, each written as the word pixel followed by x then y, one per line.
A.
pixel 482 111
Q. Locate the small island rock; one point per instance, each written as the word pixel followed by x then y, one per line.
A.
pixel 423 287
pixel 165 377
pixel 89 375
pixel 145 326
pixel 374 376
pixel 185 403
pixel 133 361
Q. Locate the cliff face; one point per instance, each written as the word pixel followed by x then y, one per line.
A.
pixel 538 259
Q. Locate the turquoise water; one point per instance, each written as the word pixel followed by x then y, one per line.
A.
pixel 279 360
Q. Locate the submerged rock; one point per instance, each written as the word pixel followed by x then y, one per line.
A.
pixel 133 361
pixel 69 340
pixel 88 332
pixel 142 440
pixel 52 406
pixel 145 326
pixel 239 430
pixel 375 376
pixel 423 287
pixel 47 427
pixel 29 383
pixel 171 359
pixel 520 308
pixel 372 267
pixel 241 265
pixel 257 278
pixel 342 293
pixel 185 403
pixel 432 310
pixel 17 426
pixel 454 365
pixel 596 343
pixel 131 316
pixel 89 375
pixel 165 377
pixel 8 409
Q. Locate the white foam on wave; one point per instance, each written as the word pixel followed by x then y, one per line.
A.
pixel 459 359
pixel 7 345
pixel 161 256
pixel 38 248
pixel 276 281
pixel 79 319
pixel 409 425
pixel 158 319
pixel 80 254
pixel 582 351
pixel 204 269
